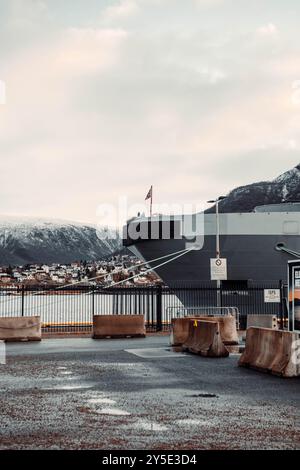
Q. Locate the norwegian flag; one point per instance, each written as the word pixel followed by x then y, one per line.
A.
pixel 149 194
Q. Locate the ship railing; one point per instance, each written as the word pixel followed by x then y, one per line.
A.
pixel 179 312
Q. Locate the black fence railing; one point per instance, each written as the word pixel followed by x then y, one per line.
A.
pixel 71 309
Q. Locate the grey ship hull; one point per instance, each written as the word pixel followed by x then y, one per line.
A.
pixel 249 241
pixel 251 257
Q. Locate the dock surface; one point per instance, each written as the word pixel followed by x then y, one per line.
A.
pixel 79 393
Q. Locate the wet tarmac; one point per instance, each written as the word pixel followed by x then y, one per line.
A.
pixel 140 394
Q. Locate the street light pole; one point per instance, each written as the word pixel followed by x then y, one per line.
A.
pixel 216 201
pixel 218 255
pixel 218 252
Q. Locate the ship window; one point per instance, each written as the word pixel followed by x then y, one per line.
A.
pixel 291 227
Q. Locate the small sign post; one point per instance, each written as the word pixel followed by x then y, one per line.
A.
pixel 218 269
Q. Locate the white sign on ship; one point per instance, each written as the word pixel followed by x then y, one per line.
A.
pixel 218 269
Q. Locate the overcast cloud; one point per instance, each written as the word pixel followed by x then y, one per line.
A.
pixel 105 98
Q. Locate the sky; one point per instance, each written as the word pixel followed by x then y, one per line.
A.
pixel 105 97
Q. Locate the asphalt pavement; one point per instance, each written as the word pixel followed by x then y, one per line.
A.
pixel 80 393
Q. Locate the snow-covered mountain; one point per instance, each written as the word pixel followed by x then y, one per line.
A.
pixel 285 188
pixel 27 240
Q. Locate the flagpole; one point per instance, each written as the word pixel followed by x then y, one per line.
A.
pixel 151 201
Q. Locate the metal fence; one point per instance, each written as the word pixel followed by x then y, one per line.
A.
pixel 179 312
pixel 71 309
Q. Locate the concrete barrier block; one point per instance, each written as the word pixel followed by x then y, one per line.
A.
pixel 228 331
pixel 272 351
pixel 118 326
pixel 179 330
pixel 263 321
pixel 20 328
pixel 205 339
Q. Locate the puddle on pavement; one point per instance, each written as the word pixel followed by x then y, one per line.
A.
pixel 203 395
pixel 101 401
pixel 69 387
pixel 113 412
pixel 150 426
pixel 154 353
pixel 95 394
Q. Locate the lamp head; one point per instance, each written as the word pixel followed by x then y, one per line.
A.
pixel 213 201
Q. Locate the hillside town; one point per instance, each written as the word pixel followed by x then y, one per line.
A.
pixel 105 272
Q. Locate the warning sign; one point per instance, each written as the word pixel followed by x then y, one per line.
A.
pixel 218 269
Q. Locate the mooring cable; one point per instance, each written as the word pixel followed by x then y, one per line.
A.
pixel 132 267
pixel 181 253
